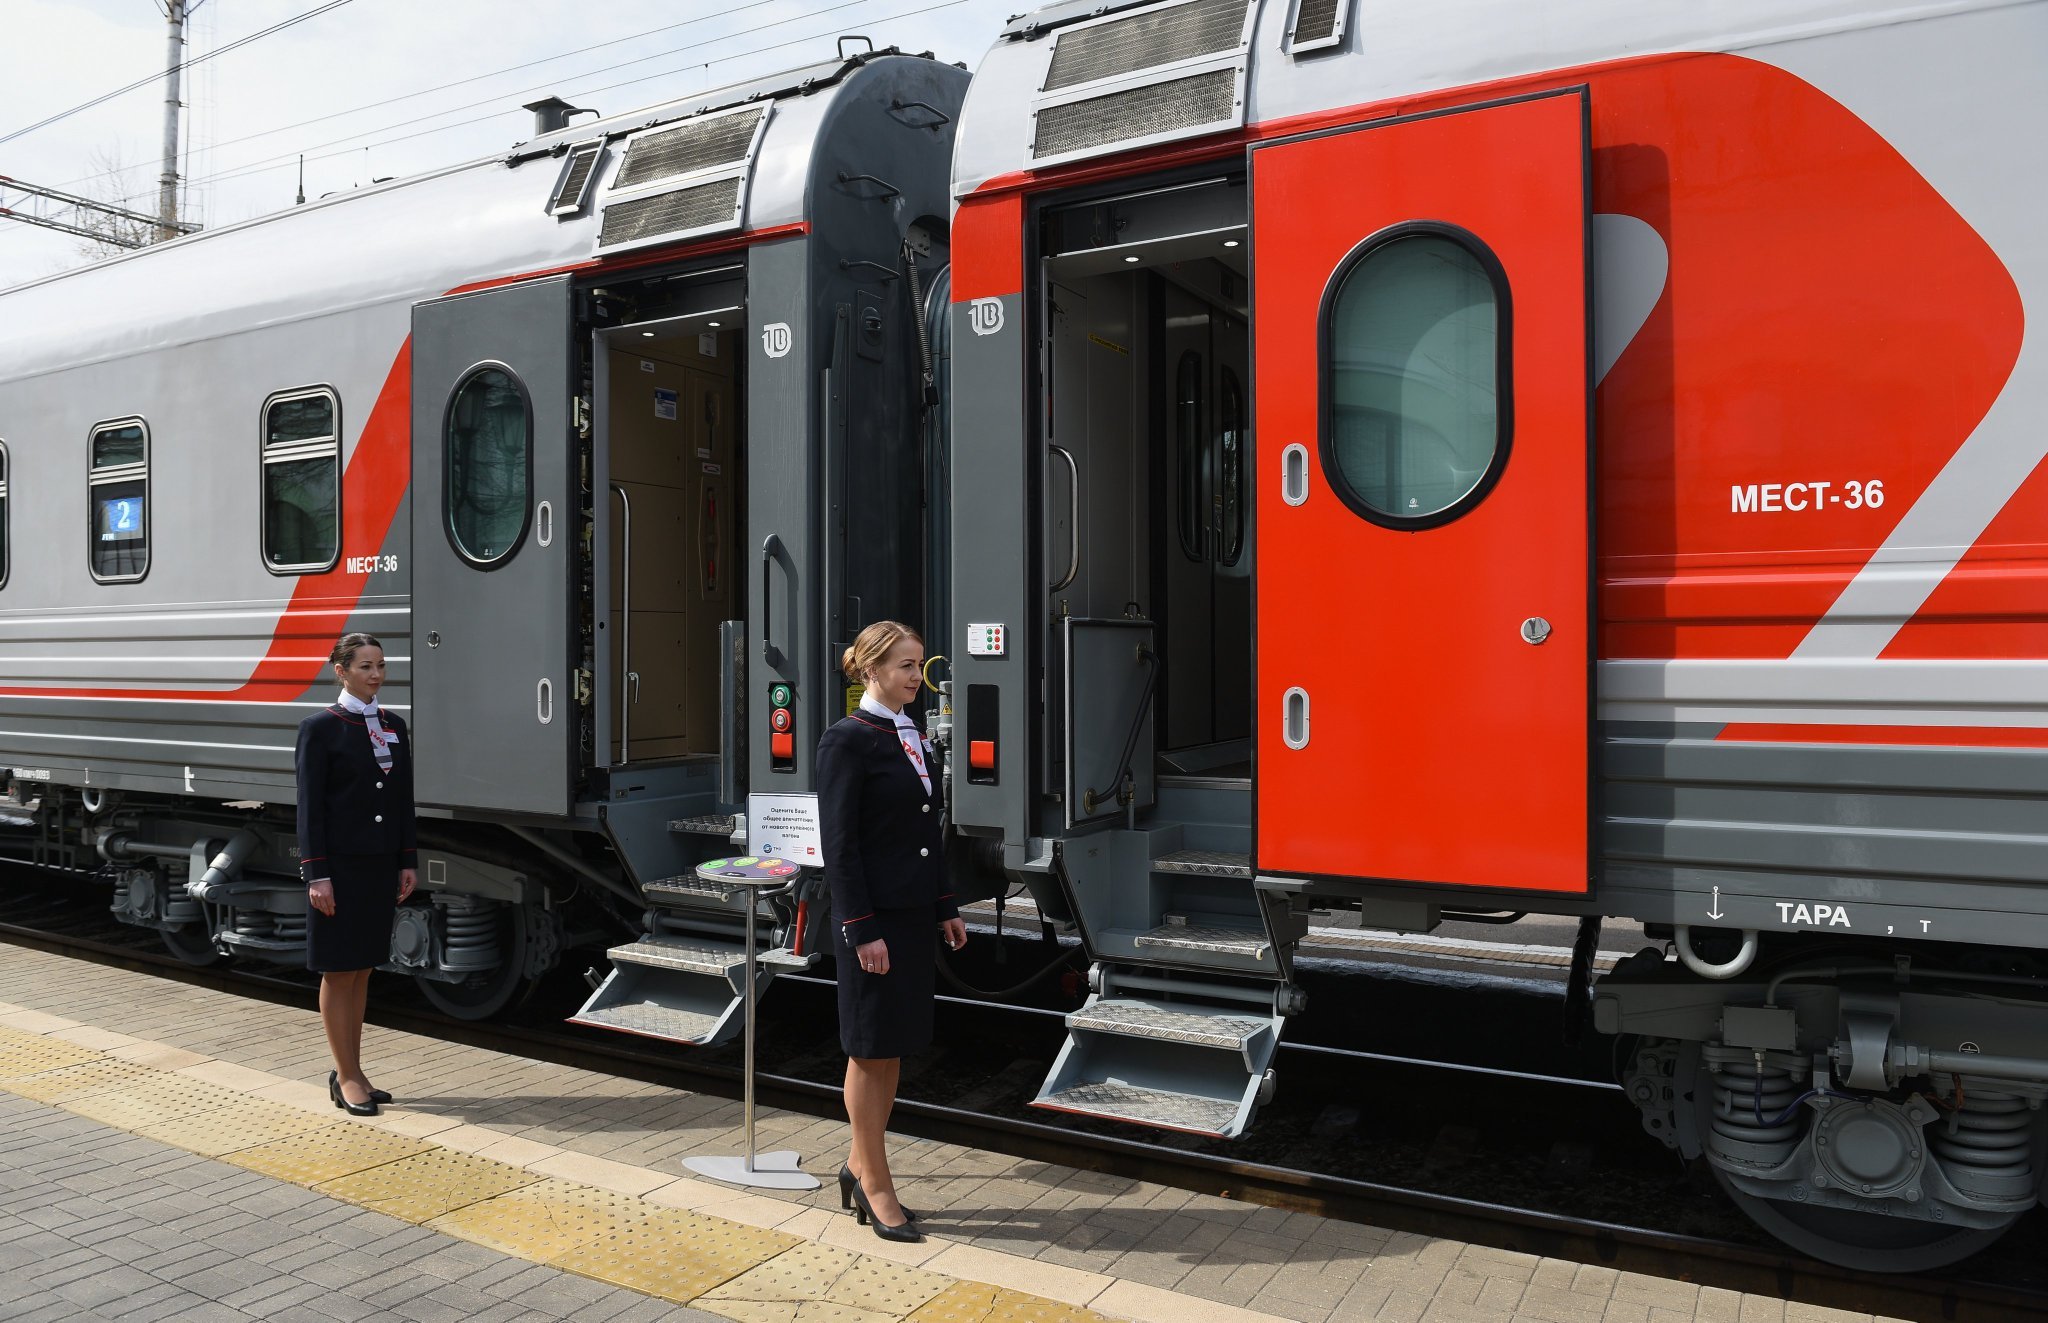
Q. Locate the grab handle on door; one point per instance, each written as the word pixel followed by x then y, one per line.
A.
pixel 544 700
pixel 627 679
pixel 1294 474
pixel 771 550
pixel 1294 718
pixel 1073 516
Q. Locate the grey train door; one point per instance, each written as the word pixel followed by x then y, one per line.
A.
pixel 493 512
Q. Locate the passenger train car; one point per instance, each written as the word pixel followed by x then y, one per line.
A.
pixel 547 424
pixel 1484 456
pixel 1414 460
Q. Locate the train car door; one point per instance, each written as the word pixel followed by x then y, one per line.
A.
pixel 1423 623
pixel 494 519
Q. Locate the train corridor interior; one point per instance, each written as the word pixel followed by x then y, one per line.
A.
pixel 677 465
pixel 1148 510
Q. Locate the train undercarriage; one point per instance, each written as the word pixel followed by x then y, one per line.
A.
pixel 1875 1109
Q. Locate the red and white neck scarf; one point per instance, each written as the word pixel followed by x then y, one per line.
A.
pixel 907 734
pixel 381 739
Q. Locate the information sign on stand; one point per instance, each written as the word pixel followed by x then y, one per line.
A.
pixel 786 827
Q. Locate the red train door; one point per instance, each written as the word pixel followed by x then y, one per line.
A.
pixel 1420 295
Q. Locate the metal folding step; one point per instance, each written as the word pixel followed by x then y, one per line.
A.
pixel 1204 863
pixel 1191 1056
pixel 671 891
pixel 1183 933
pixel 685 989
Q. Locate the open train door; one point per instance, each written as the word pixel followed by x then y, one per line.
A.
pixel 494 519
pixel 1423 406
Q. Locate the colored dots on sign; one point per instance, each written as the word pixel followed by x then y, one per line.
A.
pixel 714 863
pixel 744 860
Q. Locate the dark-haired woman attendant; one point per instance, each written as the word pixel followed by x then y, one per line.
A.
pixel 880 805
pixel 356 853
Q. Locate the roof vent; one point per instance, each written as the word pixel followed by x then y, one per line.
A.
pixel 1145 40
pixel 1318 25
pixel 671 215
pixel 1160 73
pixel 552 114
pixel 699 144
pixel 572 187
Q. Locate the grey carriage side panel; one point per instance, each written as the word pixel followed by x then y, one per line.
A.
pixel 993 476
pixel 782 511
pixel 193 679
pixel 496 719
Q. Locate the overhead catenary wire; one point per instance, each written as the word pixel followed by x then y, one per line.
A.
pixel 314 154
pixel 160 74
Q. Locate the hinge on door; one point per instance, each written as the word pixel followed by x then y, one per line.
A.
pixel 583 688
pixel 583 417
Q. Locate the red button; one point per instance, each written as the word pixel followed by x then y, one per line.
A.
pixel 781 718
pixel 782 746
pixel 981 755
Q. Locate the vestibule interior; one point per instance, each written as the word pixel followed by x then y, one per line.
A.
pixel 676 457
pixel 1148 492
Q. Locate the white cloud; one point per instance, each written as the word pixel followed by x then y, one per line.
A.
pixel 62 52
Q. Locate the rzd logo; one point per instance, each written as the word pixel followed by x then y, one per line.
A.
pixel 775 339
pixel 985 316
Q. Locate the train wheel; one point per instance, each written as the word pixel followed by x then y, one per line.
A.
pixel 192 944
pixel 1865 1242
pixel 482 996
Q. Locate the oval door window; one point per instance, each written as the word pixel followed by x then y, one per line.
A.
pixel 488 478
pixel 1415 376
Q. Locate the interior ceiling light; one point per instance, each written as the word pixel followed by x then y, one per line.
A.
pixel 648 334
pixel 1133 257
pixel 1230 243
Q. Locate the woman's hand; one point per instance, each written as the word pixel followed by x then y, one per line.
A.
pixel 408 878
pixel 320 895
pixel 953 932
pixel 873 956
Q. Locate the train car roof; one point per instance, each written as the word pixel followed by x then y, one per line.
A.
pixel 423 235
pixel 1085 79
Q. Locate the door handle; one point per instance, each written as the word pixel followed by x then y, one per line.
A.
pixel 771 549
pixel 1294 474
pixel 544 701
pixel 1294 718
pixel 1073 516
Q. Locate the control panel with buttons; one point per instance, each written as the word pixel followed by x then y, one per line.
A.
pixel 987 640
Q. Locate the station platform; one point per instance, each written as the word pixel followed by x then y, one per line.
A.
pixel 169 1151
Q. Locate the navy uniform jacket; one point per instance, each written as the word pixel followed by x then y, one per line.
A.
pixel 348 804
pixel 883 839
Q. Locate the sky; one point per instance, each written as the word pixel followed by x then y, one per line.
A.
pixel 313 88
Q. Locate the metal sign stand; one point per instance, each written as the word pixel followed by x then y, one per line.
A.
pixel 767 1171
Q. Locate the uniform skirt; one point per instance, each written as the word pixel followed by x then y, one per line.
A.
pixel 358 934
pixel 889 1015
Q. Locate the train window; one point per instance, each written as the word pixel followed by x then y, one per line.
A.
pixel 301 480
pixel 489 457
pixel 1230 470
pixel 3 514
pixel 1415 376
pixel 117 505
pixel 1187 445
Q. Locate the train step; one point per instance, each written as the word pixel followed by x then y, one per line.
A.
pixel 1204 863
pixel 721 825
pixel 1182 932
pixel 683 989
pixel 671 891
pixel 1143 1050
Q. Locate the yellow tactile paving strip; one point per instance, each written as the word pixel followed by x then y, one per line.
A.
pixel 746 1273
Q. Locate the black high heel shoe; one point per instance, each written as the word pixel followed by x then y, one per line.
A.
pixel 905 1231
pixel 848 1183
pixel 352 1108
pixel 379 1097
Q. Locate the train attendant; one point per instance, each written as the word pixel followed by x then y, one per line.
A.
pixel 356 851
pixel 880 805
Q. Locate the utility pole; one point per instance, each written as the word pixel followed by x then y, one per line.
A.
pixel 167 183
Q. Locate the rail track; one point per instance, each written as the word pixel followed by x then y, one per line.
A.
pixel 1424 1182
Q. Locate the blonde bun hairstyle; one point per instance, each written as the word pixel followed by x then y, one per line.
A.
pixel 872 646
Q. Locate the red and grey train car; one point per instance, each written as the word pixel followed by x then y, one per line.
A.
pixel 549 424
pixel 1569 458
